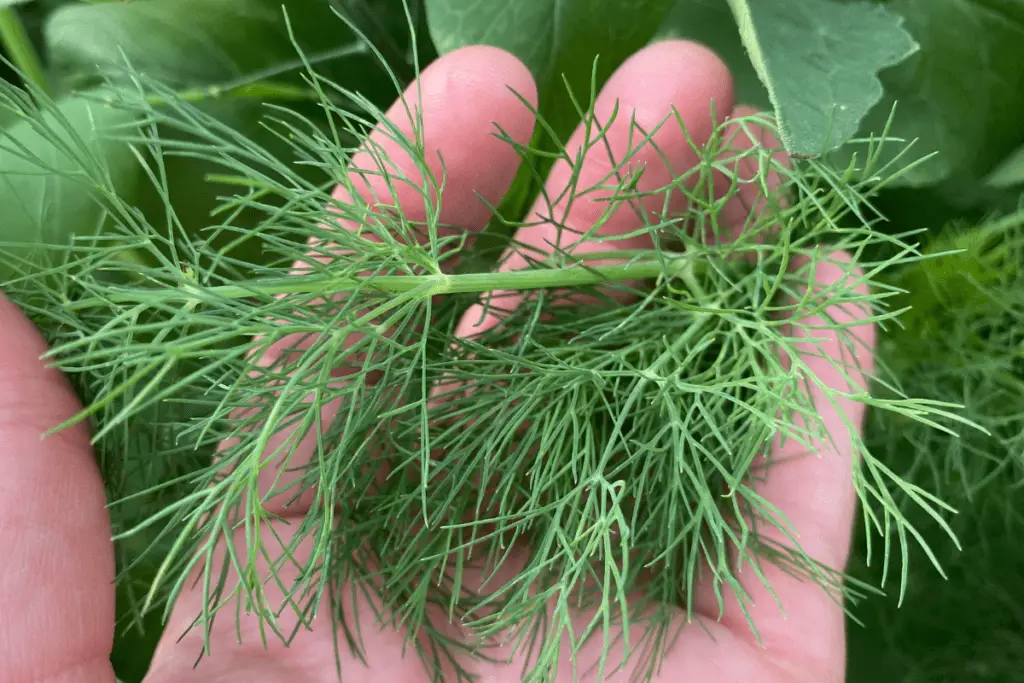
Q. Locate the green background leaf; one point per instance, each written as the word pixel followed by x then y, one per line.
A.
pixel 819 61
pixel 43 191
pixel 959 96
pixel 190 44
pixel 962 94
pixel 526 29
pixel 185 41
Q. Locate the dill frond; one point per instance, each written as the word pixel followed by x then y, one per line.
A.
pixel 614 440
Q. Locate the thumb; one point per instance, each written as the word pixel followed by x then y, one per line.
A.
pixel 56 556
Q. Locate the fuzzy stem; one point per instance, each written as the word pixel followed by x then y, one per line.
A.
pixel 14 38
pixel 464 283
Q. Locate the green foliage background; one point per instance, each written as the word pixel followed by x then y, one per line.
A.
pixel 831 69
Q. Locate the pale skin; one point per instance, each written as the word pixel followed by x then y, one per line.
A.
pixel 56 592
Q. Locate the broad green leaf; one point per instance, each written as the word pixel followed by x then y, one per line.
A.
pixel 526 29
pixel 192 44
pixel 819 60
pixel 45 194
pixel 185 42
pixel 554 38
pixel 962 94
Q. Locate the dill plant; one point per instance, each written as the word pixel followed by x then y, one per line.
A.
pixel 961 342
pixel 611 423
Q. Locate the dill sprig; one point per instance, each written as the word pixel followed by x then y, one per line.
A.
pixel 610 423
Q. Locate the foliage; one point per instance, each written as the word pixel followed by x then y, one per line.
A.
pixel 819 62
pixel 163 162
pixel 966 334
pixel 42 181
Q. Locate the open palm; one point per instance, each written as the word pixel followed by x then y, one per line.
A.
pixel 56 594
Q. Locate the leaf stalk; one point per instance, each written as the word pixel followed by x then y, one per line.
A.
pixel 577 275
pixel 14 38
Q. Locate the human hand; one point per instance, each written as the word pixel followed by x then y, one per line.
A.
pixel 56 593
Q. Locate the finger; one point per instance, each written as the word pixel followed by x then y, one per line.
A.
pixel 457 108
pixel 809 481
pixel 57 571
pixel 751 172
pixel 815 489
pixel 644 95
pixel 461 101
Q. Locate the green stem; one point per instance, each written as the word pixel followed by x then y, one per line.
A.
pixel 15 40
pixel 262 90
pixel 464 283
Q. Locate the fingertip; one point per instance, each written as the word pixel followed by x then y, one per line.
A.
pixel 452 126
pixel 837 264
pixel 744 110
pixel 836 344
pixel 749 127
pixel 657 111
pixel 669 75
pixel 697 64
pixel 491 69
pixel 752 127
pixel 474 91
pixel 806 485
